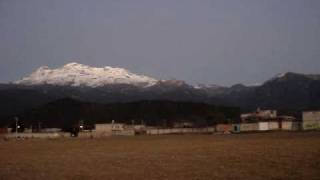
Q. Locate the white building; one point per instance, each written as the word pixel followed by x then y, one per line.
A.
pixel 260 115
pixel 311 120
pixel 109 129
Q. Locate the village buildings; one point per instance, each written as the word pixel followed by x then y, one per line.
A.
pixel 257 121
pixel 268 120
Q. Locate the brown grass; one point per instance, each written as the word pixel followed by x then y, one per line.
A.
pixel 279 155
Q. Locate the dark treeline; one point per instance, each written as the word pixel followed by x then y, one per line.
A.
pixel 66 113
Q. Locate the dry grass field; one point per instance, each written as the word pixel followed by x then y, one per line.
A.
pixel 278 155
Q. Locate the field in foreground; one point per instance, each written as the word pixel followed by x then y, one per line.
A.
pixel 279 155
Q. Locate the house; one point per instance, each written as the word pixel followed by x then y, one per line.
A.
pixel 311 120
pixel 259 115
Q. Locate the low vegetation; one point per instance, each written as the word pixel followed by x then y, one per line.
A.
pixel 66 113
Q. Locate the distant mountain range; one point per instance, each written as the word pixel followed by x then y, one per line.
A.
pixel 286 92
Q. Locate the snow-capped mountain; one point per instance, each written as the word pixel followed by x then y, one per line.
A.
pixel 75 74
pixel 289 91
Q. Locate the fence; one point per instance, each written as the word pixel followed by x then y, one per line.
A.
pixel 158 131
pixel 35 135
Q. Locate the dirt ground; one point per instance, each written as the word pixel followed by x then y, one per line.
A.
pixel 277 155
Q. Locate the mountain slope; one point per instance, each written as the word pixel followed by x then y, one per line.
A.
pixel 290 91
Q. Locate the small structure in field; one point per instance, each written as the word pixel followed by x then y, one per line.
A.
pixel 311 120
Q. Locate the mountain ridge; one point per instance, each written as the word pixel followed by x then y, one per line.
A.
pixel 76 74
pixel 287 91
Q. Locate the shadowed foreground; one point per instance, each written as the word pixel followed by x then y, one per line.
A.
pixel 279 155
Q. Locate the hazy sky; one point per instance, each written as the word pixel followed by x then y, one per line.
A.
pixel 199 41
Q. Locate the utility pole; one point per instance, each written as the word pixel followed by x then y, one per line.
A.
pixel 17 126
pixel 81 125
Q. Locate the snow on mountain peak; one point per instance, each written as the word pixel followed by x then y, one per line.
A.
pixel 76 74
pixel 281 75
pixel 207 86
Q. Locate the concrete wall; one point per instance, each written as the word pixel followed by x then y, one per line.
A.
pixel 51 130
pixel 290 125
pixel 126 132
pixel 155 131
pixel 311 125
pixel 273 125
pixel 183 125
pixel 102 133
pixel 263 126
pixel 224 127
pixel 104 130
pixel 103 127
pixel 311 116
pixel 34 135
pixel 246 127
pixel 286 125
pixel 139 127
pixel 311 120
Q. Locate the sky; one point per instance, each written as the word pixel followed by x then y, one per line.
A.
pixel 221 42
